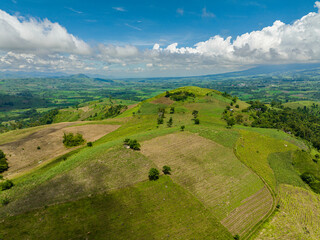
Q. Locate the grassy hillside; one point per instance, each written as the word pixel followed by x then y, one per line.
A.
pixel 224 181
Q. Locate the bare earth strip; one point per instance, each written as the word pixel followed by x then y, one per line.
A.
pixel 24 154
pixel 163 100
pixel 255 207
pixel 213 174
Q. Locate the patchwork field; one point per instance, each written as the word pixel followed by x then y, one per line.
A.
pixel 46 143
pixel 213 174
pixel 297 218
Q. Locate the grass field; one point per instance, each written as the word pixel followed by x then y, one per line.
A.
pixel 253 149
pixel 297 218
pixel 213 175
pixel 148 210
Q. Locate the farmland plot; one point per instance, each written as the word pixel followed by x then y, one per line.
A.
pixel 211 172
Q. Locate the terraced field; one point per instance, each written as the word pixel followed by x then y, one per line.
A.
pixel 213 174
pixel 240 220
pixel 298 217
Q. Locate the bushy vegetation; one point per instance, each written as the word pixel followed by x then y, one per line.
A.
pixel 132 143
pixel 166 170
pixel 300 122
pixel 153 174
pixel 179 95
pixel 3 162
pixel 312 181
pixel 5 185
pixel 72 140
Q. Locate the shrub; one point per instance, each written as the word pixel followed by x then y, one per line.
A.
pixel 126 141
pixel 89 144
pixel 38 147
pixel 308 177
pixel 172 110
pixel 237 106
pixel 5 201
pixel 166 170
pixel 71 140
pixel 195 114
pixel 7 184
pixel 182 128
pixel 196 121
pixel 236 237
pixel 3 162
pixel 169 123
pixel 153 174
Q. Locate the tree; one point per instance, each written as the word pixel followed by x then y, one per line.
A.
pixel 166 170
pixel 153 174
pixel 71 140
pixel 172 110
pixel 182 128
pixel 3 162
pixel 169 123
pixel 195 113
pixel 134 145
pixel 237 106
pixel 7 184
pixel 236 237
pixel 89 144
pixel 197 121
pixel 231 121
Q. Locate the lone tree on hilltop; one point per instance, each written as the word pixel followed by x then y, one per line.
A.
pixel 153 174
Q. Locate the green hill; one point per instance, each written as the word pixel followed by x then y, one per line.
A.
pixel 224 181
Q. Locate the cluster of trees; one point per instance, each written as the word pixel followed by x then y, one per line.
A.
pixel 229 114
pixel 72 140
pixel 132 143
pixel 30 118
pixel 161 116
pixel 179 95
pixel 115 110
pixel 195 114
pixel 312 181
pixel 4 184
pixel 301 122
pixel 154 173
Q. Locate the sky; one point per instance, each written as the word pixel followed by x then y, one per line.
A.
pixel 156 38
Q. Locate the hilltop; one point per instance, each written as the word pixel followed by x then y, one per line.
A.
pixel 227 180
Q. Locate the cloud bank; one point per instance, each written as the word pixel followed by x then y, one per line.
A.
pixel 40 45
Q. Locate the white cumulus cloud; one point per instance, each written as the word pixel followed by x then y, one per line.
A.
pixel 37 35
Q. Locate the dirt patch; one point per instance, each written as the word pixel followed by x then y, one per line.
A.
pixel 46 144
pixel 163 100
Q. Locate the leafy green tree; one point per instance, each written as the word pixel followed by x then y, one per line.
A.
pixel 3 162
pixel 166 170
pixel 71 140
pixel 153 174
pixel 197 121
pixel 231 121
pixel 195 114
pixel 182 128
pixel 134 144
pixel 237 106
pixel 172 110
pixel 170 122
pixel 89 144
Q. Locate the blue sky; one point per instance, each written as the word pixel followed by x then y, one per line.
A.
pixel 129 29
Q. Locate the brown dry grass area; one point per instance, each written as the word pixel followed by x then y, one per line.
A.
pixel 208 170
pixel 23 154
pixel 163 100
pixel 254 208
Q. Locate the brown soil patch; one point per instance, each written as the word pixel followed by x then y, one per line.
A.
pixel 254 208
pixel 23 153
pixel 163 100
